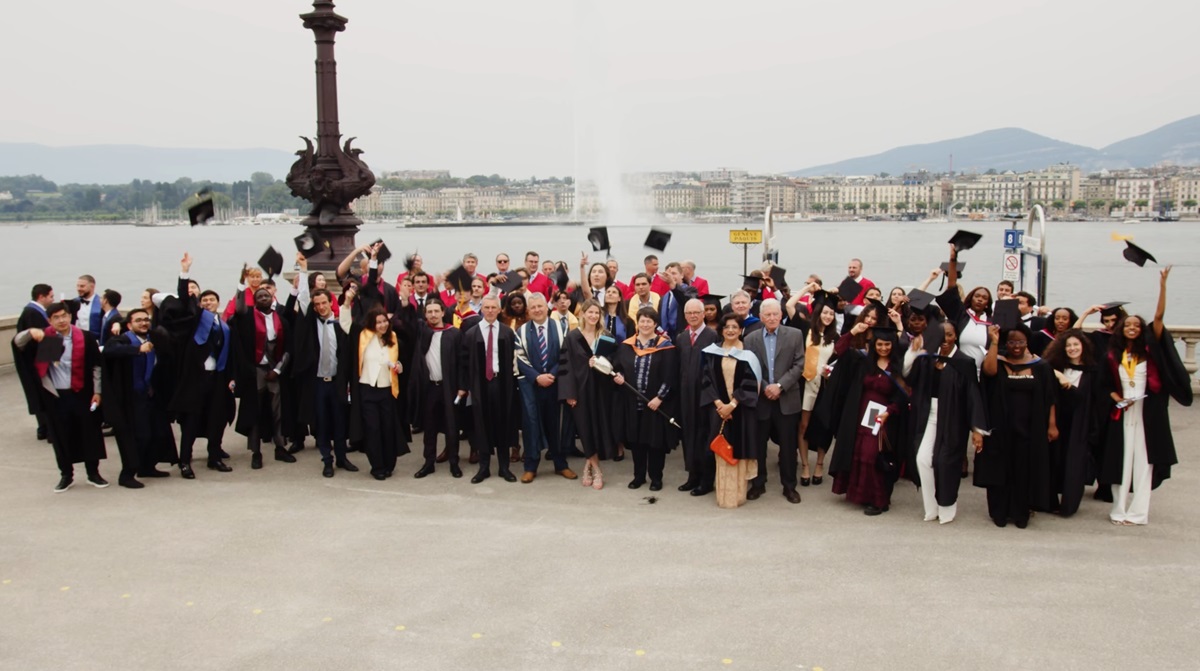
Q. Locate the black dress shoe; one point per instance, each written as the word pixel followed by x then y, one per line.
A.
pixel 225 455
pixel 754 493
pixel 702 490
pixel 153 473
pixel 223 467
pixel 442 456
pixel 455 471
pixel 1021 524
pixel 295 448
pixel 345 465
pixel 688 486
pixel 791 495
pixel 427 469
pixel 378 475
pixel 282 455
pixel 388 474
pixel 619 457
pixel 328 470
pixel 480 477
pixel 41 433
pixel 256 460
pixel 508 476
pixel 636 484
pixel 874 510
pixel 186 471
pixel 655 485
pixel 129 483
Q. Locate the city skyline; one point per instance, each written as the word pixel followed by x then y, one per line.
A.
pixel 480 88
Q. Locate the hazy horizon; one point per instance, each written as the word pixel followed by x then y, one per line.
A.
pixel 489 88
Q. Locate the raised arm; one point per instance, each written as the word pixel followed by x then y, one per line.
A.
pixel 1162 302
pixel 933 275
pixel 990 360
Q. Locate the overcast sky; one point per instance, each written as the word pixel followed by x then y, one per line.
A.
pixel 501 86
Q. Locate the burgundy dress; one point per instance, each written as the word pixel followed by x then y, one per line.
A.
pixel 864 483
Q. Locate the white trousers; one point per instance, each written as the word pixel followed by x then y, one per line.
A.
pixel 933 511
pixel 1136 472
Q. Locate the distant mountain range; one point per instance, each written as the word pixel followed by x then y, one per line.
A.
pixel 120 163
pixel 1018 150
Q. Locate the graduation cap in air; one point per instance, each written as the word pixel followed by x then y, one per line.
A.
pixel 50 349
pixel 201 212
pixel 1112 308
pixel 560 278
pixel 410 261
pixel 1006 314
pixel 271 262
pixel 964 240
pixel 1137 254
pixel 512 281
pixel 920 300
pixel 460 278
pixel 598 236
pixel 384 253
pixel 849 289
pixel 310 244
pixel 962 265
pixel 657 240
pixel 777 275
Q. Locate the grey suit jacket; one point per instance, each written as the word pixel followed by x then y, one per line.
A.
pixel 789 367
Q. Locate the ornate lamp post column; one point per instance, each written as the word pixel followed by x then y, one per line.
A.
pixel 333 176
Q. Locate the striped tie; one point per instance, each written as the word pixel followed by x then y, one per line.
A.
pixel 541 348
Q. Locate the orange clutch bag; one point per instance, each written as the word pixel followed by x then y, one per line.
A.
pixel 722 448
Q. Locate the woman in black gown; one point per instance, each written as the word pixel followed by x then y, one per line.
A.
pixel 650 363
pixel 729 389
pixel 588 392
pixel 1014 463
pixel 1076 410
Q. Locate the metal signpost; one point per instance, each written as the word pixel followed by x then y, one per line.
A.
pixel 745 237
pixel 1019 246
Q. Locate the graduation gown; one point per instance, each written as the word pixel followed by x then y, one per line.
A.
pixel 1074 456
pixel 741 430
pixel 1008 459
pixel 357 428
pixel 847 417
pixel 593 393
pixel 306 358
pixel 121 411
pixel 1173 382
pixel 83 441
pixel 486 431
pixel 419 386
pixel 960 409
pixel 188 395
pixel 29 318
pixel 250 407
pixel 637 426
pixel 697 432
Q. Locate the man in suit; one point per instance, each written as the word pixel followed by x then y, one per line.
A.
pixel 537 345
pixel 435 386
pixel 89 315
pixel 110 299
pixel 486 374
pixel 780 351
pixel 33 316
pixel 320 371
pixel 698 459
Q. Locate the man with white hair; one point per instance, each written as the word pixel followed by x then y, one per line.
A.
pixel 780 351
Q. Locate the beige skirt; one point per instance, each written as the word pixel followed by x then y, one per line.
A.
pixel 733 481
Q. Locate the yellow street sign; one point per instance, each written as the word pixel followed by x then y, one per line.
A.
pixel 745 237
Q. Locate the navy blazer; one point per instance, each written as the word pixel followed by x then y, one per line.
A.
pixel 525 348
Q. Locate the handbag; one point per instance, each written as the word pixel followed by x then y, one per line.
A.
pixel 722 448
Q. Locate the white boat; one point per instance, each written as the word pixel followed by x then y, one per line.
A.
pixel 1132 221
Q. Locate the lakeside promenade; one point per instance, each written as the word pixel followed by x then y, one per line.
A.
pixel 281 568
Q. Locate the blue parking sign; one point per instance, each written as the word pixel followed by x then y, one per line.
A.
pixel 1012 238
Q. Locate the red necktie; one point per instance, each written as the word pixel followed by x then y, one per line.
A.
pixel 487 356
pixel 693 337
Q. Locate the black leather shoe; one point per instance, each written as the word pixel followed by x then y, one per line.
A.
pixel 378 475
pixel 873 511
pixel 129 483
pixel 508 476
pixel 345 465
pixel 688 486
pixel 282 455
pixel 295 448
pixel 791 495
pixel 225 455
pixel 655 486
pixel 619 457
pixel 223 467
pixel 636 484
pixel 186 471
pixel 427 469
pixel 702 490
pixel 480 477
pixel 754 493
pixel 455 471
pixel 153 473
pixel 328 470
pixel 41 433
pixel 256 460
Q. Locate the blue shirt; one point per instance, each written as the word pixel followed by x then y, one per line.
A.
pixel 769 341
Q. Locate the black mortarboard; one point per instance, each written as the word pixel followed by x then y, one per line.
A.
pixel 1137 254
pixel 657 239
pixel 383 254
pixel 824 297
pixel 920 300
pixel 849 289
pixel 310 244
pixel 271 262
pixel 560 277
pixel 598 236
pixel 1006 314
pixel 512 281
pixel 777 274
pixel 712 299
pixel 1112 308
pixel 50 349
pixel 964 240
pixel 460 278
pixel 877 303
pixel 962 265
pixel 201 212
pixel 752 280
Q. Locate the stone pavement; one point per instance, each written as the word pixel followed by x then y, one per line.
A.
pixel 284 569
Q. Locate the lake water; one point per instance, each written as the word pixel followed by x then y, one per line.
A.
pixel 1085 264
